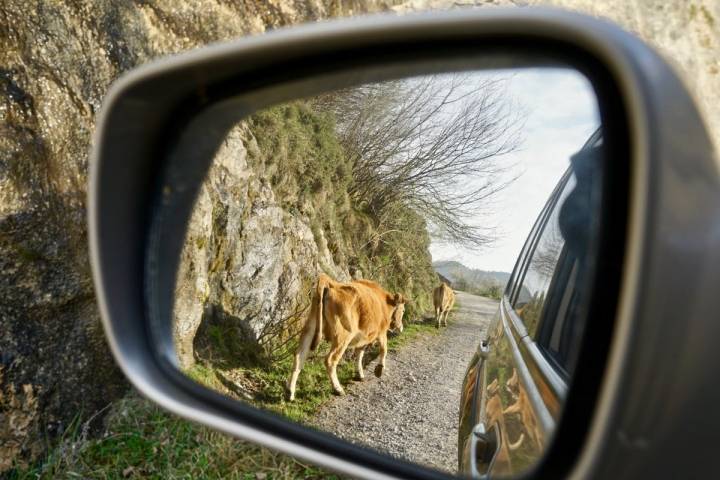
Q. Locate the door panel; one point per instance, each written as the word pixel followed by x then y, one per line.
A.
pixel 508 407
pixel 551 387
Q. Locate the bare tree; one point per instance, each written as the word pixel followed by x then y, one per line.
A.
pixel 433 144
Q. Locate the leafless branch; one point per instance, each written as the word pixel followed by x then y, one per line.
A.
pixel 435 144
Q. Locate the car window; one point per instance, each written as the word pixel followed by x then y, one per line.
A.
pixel 558 335
pixel 516 275
pixel 533 290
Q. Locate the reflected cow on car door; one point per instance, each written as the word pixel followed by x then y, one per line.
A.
pixel 515 385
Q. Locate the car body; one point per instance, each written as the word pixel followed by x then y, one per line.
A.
pixel 517 381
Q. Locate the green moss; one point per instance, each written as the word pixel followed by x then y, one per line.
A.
pixel 707 16
pixel 298 148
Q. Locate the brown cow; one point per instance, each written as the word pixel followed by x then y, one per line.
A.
pixel 354 315
pixel 443 299
pixel 495 415
pixel 523 408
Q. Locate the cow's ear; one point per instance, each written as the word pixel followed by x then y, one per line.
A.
pixel 398 299
pixel 392 299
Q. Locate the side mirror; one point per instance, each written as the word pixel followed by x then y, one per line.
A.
pixel 163 125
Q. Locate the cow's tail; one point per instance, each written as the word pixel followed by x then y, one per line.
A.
pixel 321 289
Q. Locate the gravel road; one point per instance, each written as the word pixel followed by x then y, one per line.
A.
pixel 412 411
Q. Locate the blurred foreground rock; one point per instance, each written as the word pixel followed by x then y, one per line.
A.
pixel 57 60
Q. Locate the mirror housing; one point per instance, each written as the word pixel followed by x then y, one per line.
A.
pixel 664 179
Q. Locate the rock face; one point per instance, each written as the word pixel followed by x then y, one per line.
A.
pixel 246 259
pixel 57 60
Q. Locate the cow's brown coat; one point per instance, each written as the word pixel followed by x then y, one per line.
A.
pixel 443 300
pixel 348 315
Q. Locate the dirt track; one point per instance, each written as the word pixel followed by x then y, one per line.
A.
pixel 412 411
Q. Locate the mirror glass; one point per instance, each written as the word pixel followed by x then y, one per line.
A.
pixel 401 263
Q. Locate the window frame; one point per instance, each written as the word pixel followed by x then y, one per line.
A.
pixel 549 366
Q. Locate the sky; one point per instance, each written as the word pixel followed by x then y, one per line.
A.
pixel 560 112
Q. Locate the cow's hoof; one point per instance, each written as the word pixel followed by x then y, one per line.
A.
pixel 379 371
pixel 339 393
pixel 358 378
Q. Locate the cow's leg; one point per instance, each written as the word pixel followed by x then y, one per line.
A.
pixel 447 312
pixel 300 357
pixel 333 358
pixel 382 340
pixel 360 374
pixel 438 315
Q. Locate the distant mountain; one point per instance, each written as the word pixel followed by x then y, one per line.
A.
pixel 455 271
pixel 444 279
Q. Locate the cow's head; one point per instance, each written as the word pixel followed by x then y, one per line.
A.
pixel 398 301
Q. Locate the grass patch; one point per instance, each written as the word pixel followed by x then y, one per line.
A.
pixel 313 386
pixel 457 304
pixel 143 441
pixel 264 386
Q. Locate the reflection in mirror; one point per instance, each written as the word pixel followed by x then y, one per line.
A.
pixel 357 262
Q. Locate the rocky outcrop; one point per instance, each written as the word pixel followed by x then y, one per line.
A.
pixel 57 60
pixel 246 259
